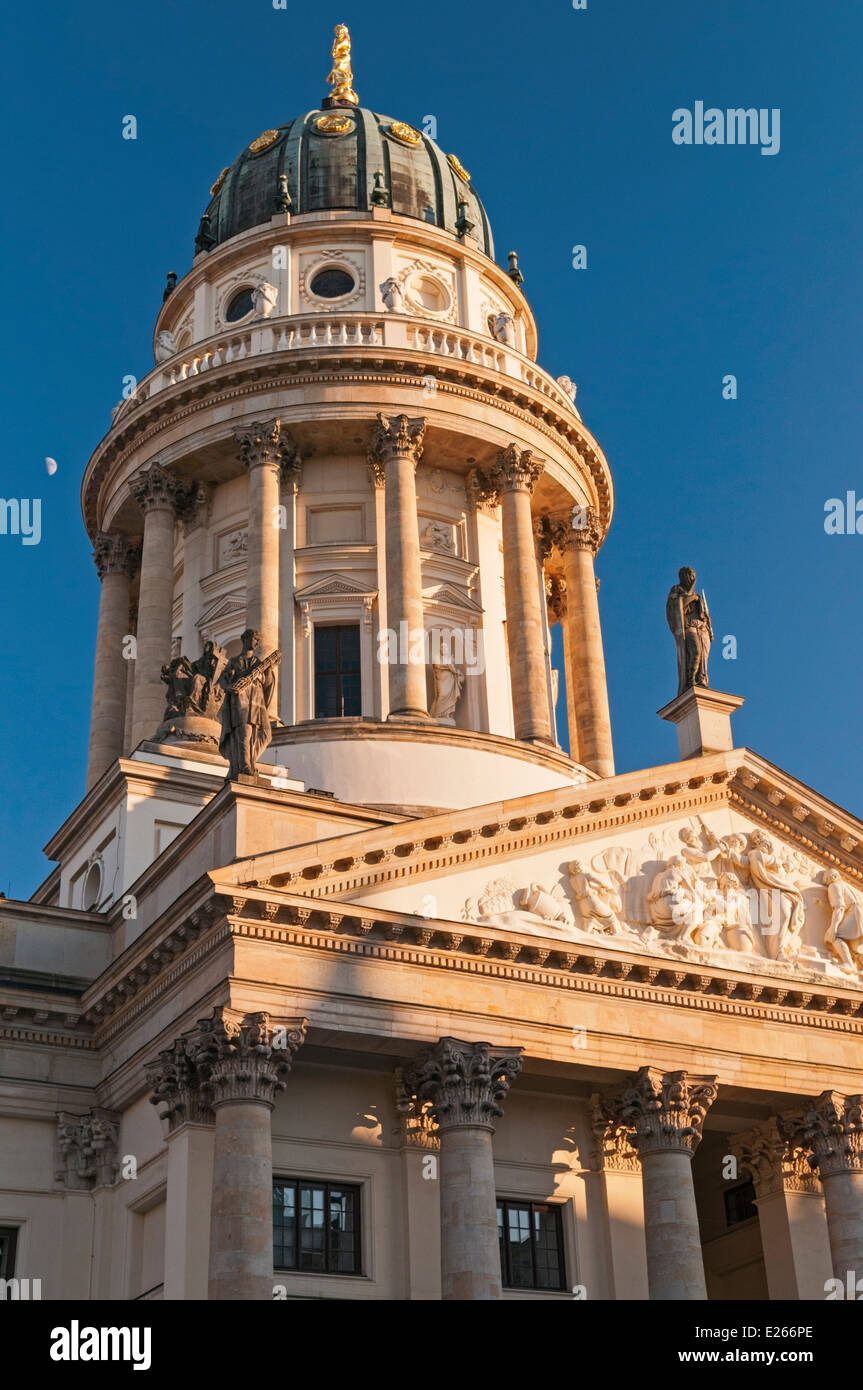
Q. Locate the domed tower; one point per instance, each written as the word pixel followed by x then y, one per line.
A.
pixel 346 444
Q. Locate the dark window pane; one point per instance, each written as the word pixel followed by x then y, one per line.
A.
pixel 530 1235
pixel 240 305
pixel 338 684
pixel 8 1241
pixel 740 1204
pixel 316 1227
pixel 331 284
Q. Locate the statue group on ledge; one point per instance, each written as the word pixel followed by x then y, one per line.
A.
pixel 222 701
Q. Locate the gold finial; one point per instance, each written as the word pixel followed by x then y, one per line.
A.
pixel 341 78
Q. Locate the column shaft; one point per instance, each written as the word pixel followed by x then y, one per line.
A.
pixel 585 639
pixel 262 566
pixel 470 1251
pixel 843 1201
pixel 675 1267
pixel 156 491
pixel 397 448
pixel 527 665
pixel 241 1222
pixel 114 558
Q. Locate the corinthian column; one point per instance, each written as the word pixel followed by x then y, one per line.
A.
pixel 513 478
pixel 266 451
pixel 832 1127
pixel 156 491
pixel 396 450
pixel 116 559
pixel 790 1211
pixel 233 1066
pixel 579 544
pixel 666 1111
pixel 466 1084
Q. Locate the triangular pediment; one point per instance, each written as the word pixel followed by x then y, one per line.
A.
pixel 332 586
pixel 720 863
pixel 447 596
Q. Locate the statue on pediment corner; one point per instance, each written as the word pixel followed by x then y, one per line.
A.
pixel 689 620
pixel 249 682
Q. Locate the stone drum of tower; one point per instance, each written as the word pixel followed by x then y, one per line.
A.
pixel 347 446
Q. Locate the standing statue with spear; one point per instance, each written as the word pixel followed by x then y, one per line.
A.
pixel 689 619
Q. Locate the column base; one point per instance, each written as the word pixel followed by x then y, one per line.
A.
pixel 407 716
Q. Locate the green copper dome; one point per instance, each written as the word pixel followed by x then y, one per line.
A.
pixel 343 157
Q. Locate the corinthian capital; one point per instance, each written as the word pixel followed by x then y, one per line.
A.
pixel 87 1146
pixel 466 1083
pixel 776 1161
pixel 155 488
pixel 398 436
pixel 613 1151
pixel 228 1057
pixel 555 598
pixel 264 444
pixel 115 554
pixel 831 1126
pixel 580 529
pixel 665 1110
pixel 515 470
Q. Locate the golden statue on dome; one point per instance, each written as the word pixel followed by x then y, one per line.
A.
pixel 341 78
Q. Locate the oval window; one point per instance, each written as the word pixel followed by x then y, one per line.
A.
pixel 239 306
pixel 332 283
pixel 429 293
pixel 92 887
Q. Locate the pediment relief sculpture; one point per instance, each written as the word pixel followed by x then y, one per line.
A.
pixel 744 900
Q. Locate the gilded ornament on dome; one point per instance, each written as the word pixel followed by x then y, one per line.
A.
pixel 264 142
pixel 334 124
pixel 341 77
pixel 219 181
pixel 455 163
pixel 405 133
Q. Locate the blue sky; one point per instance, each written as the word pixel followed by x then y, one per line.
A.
pixel 702 261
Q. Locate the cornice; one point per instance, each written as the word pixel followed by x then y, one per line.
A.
pixel 272 371
pixel 534 822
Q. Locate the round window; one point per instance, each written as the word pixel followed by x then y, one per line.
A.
pixel 239 306
pixel 332 283
pixel 92 886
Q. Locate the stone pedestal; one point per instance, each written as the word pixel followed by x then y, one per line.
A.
pixel 396 450
pixel 116 560
pixel 665 1111
pixel 156 492
pixel 703 720
pixel 466 1084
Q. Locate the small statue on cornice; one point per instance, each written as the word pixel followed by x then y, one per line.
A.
pixel 689 620
pixel 165 346
pixel 264 297
pixel 391 294
pixel 503 329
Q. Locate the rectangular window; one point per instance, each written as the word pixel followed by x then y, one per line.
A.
pixel 531 1245
pixel 740 1203
pixel 338 689
pixel 8 1242
pixel 316 1226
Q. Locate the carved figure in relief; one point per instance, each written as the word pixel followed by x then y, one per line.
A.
pixel 689 621
pixel 264 297
pixel 599 904
pixel 844 935
pixel 739 935
pixel 781 933
pixel 548 904
pixel 249 682
pixel 165 346
pixel 675 902
pixel 448 684
pixel 436 535
pixel 391 294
